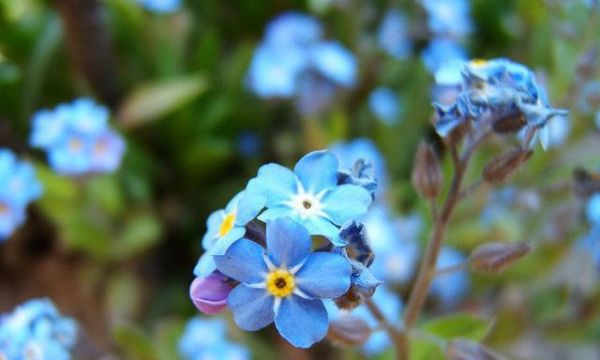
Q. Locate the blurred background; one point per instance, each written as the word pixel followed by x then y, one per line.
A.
pixel 185 89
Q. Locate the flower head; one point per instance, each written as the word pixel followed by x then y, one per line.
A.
pixel 77 138
pixel 309 195
pixel 284 284
pixel 207 339
pixel 18 187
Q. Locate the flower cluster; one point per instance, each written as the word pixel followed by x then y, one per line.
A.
pixel 507 94
pixel 293 61
pixel 36 330
pixel 18 187
pixel 207 339
pixel 161 6
pixel 286 243
pixel 77 138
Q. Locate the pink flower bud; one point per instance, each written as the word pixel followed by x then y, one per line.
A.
pixel 209 294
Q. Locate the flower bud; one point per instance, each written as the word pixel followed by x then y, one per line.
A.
pixel 426 176
pixel 503 166
pixel 495 257
pixel 209 294
pixel 510 121
pixel 349 330
pixel 461 349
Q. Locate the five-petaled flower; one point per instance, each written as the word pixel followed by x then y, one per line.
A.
pixel 309 195
pixel 285 284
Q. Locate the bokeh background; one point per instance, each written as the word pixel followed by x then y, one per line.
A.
pixel 116 252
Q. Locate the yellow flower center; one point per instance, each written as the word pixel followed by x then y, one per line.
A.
pixel 227 224
pixel 280 283
pixel 478 62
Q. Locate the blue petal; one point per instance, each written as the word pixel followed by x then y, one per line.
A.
pixel 325 275
pixel 302 322
pixel 321 226
pixel 243 262
pixel 248 208
pixel 288 243
pixel 212 228
pixel 276 212
pixel 274 184
pixel 346 202
pixel 252 308
pixel 317 171
pixel 222 244
pixel 205 266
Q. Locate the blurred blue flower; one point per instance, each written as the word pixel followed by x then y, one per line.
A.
pixel 224 227
pixel 391 306
pixel 384 103
pixel 275 72
pixel 590 244
pixel 334 62
pixel 35 330
pixel 207 339
pixel 18 187
pixel 589 100
pixel 362 148
pixel 293 29
pixel 393 36
pixel 442 52
pixel 77 138
pixel 450 288
pixel 161 6
pixel 309 195
pixel 448 17
pixel 314 94
pixel 593 209
pixel 285 284
pixel 394 242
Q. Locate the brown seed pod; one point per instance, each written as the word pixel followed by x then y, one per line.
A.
pixel 495 257
pixel 503 166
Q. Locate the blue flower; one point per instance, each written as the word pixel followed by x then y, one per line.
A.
pixel 314 94
pixel 293 29
pixel 36 330
pixel 224 227
pixel 274 72
pixel 385 105
pixel 309 195
pixel 593 209
pixel 442 52
pixel 554 132
pixel 391 306
pixel 393 35
pixel 334 62
pixel 590 244
pixel 206 339
pixel 448 17
pixel 451 288
pixel 77 138
pixel 589 100
pixel 161 6
pixel 18 187
pixel 450 73
pixel 285 284
pixel 362 148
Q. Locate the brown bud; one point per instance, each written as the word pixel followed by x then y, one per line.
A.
pixel 349 330
pixel 510 122
pixel 460 349
pixel 503 166
pixel 349 300
pixel 426 176
pixel 495 257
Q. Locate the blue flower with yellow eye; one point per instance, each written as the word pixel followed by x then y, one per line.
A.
pixel 284 284
pixel 18 187
pixel 77 138
pixel 393 36
pixel 309 195
pixel 161 6
pixel 207 339
pixel 224 227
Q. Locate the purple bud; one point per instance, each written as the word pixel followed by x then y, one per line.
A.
pixel 209 294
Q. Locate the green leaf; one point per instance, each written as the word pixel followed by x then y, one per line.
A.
pixel 461 325
pixel 135 343
pixel 104 191
pixel 140 233
pixel 153 101
pixel 425 350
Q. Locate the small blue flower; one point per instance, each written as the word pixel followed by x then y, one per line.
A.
pixel 450 288
pixel 275 72
pixel 309 195
pixel 385 105
pixel 161 6
pixel 314 94
pixel 18 187
pixel 77 138
pixel 442 52
pixel 206 339
pixel 293 29
pixel 224 227
pixel 593 209
pixel 448 17
pixel 285 284
pixel 393 35
pixel 334 62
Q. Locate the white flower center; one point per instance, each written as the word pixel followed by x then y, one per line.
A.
pixel 307 205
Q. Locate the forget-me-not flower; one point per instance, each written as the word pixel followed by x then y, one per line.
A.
pixel 205 338
pixel 392 35
pixel 161 6
pixel 284 284
pixel 384 103
pixel 77 138
pixel 18 187
pixel 223 228
pixel 309 195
